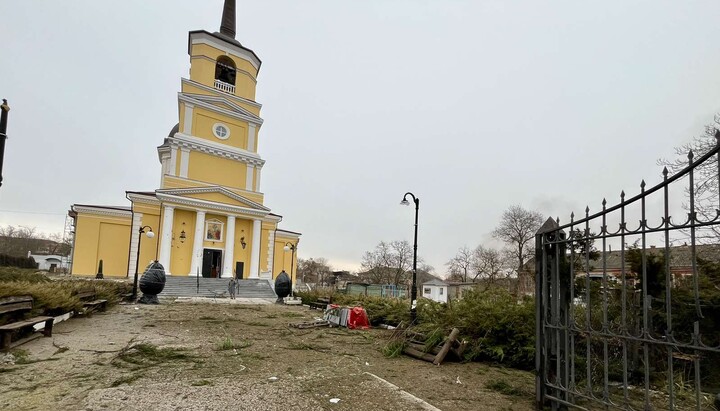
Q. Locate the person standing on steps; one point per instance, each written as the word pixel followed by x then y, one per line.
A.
pixel 232 287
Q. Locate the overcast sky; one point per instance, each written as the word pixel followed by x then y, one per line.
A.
pixel 471 105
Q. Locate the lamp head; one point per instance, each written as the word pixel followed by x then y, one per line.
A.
pixel 405 202
pixel 150 234
pixel 286 248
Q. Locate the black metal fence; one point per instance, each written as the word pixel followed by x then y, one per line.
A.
pixel 637 328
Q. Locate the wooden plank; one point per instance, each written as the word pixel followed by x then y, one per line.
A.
pixel 22 341
pixel 26 323
pixel 16 306
pixel 446 347
pixel 16 299
pixel 419 354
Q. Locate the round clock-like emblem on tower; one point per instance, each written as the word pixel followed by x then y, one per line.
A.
pixel 221 131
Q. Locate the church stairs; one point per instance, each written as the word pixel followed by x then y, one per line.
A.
pixel 210 287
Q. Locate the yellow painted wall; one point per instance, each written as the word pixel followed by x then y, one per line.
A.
pixel 204 120
pixel 216 170
pixel 218 198
pixel 243 228
pixel 101 237
pixel 181 252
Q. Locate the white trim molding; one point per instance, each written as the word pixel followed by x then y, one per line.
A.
pixel 271 251
pixel 196 260
pixel 173 160
pixel 211 103
pixel 103 211
pixel 203 37
pixel 187 122
pixel 208 147
pixel 184 161
pixel 249 177
pixel 212 189
pixel 191 83
pixel 215 132
pixel 255 251
pixel 210 205
pixel 166 238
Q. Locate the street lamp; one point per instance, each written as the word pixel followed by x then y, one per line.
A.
pixel 149 234
pixel 288 247
pixel 413 290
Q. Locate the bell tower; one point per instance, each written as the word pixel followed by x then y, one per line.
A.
pixel 216 140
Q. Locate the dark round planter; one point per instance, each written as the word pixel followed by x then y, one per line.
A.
pixel 152 283
pixel 282 286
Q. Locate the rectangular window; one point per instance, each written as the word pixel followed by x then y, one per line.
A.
pixel 427 291
pixel 441 290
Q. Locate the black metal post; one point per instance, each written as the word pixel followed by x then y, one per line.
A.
pixel 291 246
pixel 137 260
pixel 4 108
pixel 413 290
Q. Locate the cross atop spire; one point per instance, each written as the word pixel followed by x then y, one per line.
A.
pixel 227 25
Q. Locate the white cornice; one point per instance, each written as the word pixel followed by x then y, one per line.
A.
pixel 207 38
pixel 180 140
pixel 169 200
pixel 208 184
pixel 215 189
pixel 279 233
pixel 189 82
pixel 237 112
pixel 113 212
pixel 143 199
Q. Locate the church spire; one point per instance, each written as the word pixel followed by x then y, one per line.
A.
pixel 227 26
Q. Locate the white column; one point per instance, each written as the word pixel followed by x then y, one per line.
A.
pixel 271 252
pixel 229 258
pixel 255 252
pixel 173 161
pixel 249 177
pixel 187 121
pixel 184 161
pixel 166 240
pixel 257 180
pixel 197 252
pixel 134 238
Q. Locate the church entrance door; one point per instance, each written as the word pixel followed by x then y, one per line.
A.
pixel 212 263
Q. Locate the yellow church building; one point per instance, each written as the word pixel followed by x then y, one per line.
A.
pixel 208 216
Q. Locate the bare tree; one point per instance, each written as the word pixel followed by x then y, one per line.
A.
pixel 18 241
pixel 388 263
pixel 707 186
pixel 314 271
pixel 489 264
pixel 517 229
pixel 461 264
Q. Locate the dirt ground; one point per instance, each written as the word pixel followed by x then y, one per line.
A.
pixel 205 356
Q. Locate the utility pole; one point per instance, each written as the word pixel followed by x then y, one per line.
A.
pixel 4 108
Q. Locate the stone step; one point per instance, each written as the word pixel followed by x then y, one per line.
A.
pixel 216 287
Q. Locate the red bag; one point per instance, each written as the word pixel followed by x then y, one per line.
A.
pixel 358 319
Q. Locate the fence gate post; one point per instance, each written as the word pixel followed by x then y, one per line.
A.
pixel 552 306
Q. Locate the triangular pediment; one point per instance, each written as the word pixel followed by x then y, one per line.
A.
pixel 222 103
pixel 215 195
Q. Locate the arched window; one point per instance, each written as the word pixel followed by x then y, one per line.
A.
pixel 225 70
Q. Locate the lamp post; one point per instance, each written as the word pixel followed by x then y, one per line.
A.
pixel 288 247
pixel 413 290
pixel 149 234
pixel 4 108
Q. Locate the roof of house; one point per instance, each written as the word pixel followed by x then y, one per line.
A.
pixel 435 282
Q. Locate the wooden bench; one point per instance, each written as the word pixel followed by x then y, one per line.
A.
pixel 90 303
pixel 14 308
pixel 320 304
